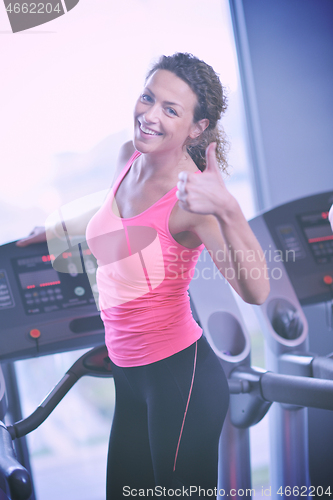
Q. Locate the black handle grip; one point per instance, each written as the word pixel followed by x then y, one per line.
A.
pixel 294 390
pixel 14 478
pixel 94 362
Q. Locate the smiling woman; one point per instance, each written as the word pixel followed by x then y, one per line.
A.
pixel 171 392
pixel 172 395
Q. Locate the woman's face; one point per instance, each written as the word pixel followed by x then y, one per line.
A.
pixel 163 114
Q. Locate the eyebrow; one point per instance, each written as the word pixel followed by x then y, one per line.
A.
pixel 169 103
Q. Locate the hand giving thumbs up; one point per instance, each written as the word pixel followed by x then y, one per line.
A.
pixel 205 193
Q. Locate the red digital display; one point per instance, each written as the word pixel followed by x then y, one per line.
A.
pixel 47 277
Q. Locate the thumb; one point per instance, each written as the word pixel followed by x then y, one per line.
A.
pixel 211 161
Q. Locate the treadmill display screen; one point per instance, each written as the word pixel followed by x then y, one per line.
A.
pixel 37 279
pixel 44 290
pixel 319 235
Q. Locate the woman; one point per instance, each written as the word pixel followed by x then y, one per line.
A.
pixel 168 201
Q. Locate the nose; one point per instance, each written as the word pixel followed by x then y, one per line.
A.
pixel 151 115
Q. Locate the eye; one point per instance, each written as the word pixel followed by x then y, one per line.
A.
pixel 146 98
pixel 171 111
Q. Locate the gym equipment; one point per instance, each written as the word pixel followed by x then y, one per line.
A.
pixel 14 478
pixel 298 242
pixel 43 311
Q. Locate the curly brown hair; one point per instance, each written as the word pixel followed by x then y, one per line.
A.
pixel 212 103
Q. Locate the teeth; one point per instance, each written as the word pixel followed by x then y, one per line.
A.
pixel 147 131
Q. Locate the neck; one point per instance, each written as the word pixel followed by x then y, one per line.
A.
pixel 162 165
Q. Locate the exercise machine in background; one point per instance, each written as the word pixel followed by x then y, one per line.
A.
pixel 297 322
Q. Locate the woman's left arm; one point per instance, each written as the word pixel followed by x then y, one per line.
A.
pixel 223 229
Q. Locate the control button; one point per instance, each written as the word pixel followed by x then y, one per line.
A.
pixel 34 333
pixel 5 304
pixel 51 308
pixel 79 290
pixel 72 269
pixel 328 280
pixel 4 298
pixel 59 297
pixel 90 267
pixel 33 311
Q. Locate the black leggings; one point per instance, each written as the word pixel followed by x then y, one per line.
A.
pixel 151 442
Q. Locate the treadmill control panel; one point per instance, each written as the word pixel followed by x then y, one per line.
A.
pixel 290 241
pixel 34 297
pixel 302 239
pixel 318 233
pixel 43 290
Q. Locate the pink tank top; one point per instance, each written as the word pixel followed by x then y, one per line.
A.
pixel 143 277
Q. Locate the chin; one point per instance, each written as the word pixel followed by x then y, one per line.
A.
pixel 143 147
pixel 139 146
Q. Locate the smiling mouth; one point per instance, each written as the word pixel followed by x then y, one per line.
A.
pixel 148 130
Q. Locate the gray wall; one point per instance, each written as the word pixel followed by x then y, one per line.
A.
pixel 285 50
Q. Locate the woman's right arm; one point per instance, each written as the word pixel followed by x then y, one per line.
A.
pixel 37 235
pixel 77 224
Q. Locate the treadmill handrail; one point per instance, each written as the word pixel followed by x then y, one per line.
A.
pixel 94 363
pixel 288 389
pixel 14 478
pixel 301 391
